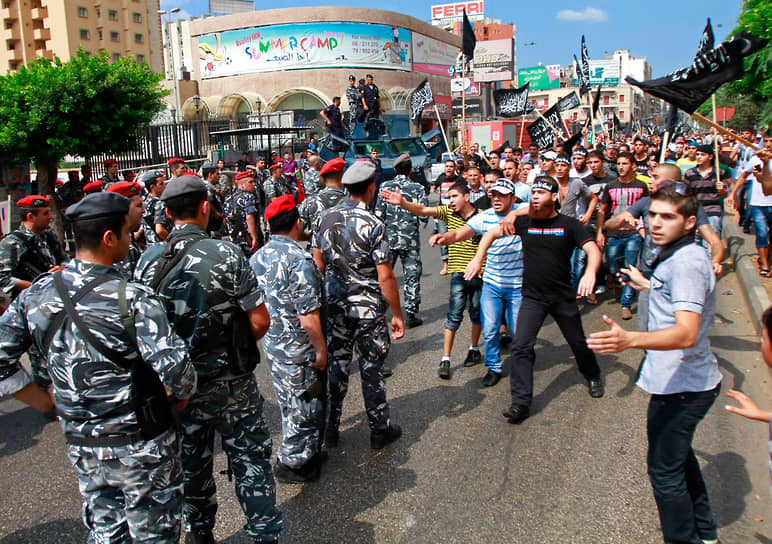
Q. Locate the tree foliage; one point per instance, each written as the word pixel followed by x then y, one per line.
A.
pixel 756 18
pixel 85 106
pixel 747 111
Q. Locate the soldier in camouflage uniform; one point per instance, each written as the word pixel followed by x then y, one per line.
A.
pixel 278 184
pixel 403 232
pixel 155 183
pixel 111 174
pixel 311 179
pixel 31 249
pixel 351 248
pixel 352 97
pixel 211 176
pixel 295 342
pixel 214 303
pixel 240 211
pixel 132 191
pixel 311 207
pixel 129 473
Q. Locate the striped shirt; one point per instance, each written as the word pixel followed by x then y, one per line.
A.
pixel 504 262
pixel 460 253
pixel 705 190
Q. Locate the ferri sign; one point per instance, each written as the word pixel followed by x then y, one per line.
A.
pixel 455 11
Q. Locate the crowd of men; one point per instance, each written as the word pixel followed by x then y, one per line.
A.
pixel 175 278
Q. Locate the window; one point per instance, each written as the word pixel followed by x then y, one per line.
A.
pixel 85 34
pixel 82 12
pixel 112 15
pixel 605 100
pixel 139 38
pixel 621 98
pixel 101 35
pixel 98 12
pixel 140 59
pixel 7 5
pixel 11 46
pixel 136 17
pixel 115 37
pixel 13 65
pixel 116 57
pixel 621 115
pixel 8 25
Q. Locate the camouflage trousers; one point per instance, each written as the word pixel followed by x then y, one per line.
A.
pixel 131 493
pixel 411 270
pixel 302 418
pixel 233 408
pixel 365 341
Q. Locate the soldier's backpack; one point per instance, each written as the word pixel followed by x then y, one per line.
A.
pixel 244 355
pixel 148 398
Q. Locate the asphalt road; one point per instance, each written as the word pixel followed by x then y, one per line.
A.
pixel 574 472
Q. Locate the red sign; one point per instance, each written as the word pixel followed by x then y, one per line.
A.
pixel 444 11
pixel 443 105
pixel 724 114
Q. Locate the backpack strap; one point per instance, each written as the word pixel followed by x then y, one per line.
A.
pixel 169 261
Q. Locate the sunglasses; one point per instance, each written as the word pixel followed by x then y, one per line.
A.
pixel 678 186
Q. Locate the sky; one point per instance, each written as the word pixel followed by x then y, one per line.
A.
pixel 665 32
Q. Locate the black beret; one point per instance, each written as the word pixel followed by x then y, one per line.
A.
pixel 100 204
pixel 183 185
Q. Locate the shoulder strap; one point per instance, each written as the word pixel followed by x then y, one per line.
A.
pixel 126 320
pixel 111 354
pixel 58 318
pixel 168 261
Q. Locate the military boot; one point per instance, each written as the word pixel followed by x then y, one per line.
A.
pixel 199 538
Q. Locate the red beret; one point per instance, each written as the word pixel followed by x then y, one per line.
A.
pixel 125 188
pixel 334 165
pixel 33 201
pixel 277 164
pixel 110 161
pixel 242 175
pixel 175 161
pixel 278 205
pixel 190 173
pixel 92 187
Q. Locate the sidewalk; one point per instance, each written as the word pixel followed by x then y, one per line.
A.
pixel 741 248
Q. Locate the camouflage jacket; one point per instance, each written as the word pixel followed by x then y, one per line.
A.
pixel 313 206
pixel 14 246
pixel 312 182
pixel 127 265
pixel 352 242
pixel 148 219
pixel 293 287
pixel 201 295
pixel 235 210
pixel 90 392
pixel 402 226
pixel 274 188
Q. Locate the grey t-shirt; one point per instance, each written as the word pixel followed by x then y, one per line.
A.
pixel 574 203
pixel 640 210
pixel 683 282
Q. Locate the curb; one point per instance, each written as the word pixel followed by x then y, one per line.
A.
pixel 743 252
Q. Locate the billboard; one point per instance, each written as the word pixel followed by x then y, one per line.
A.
pixel 432 56
pixel 304 45
pixel 493 60
pixel 603 72
pixel 539 77
pixel 445 14
pixel 229 7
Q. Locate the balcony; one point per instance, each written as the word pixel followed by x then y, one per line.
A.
pixel 46 54
pixel 13 33
pixel 8 13
pixel 41 34
pixel 40 13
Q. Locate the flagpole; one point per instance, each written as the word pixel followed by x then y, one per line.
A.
pixel 556 131
pixel 592 119
pixel 463 101
pixel 724 131
pixel 603 124
pixel 665 141
pixel 715 141
pixel 442 129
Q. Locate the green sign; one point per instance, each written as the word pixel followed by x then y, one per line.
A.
pixel 539 77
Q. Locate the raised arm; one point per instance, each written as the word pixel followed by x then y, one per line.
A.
pixel 395 198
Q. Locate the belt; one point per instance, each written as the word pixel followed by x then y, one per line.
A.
pixel 103 441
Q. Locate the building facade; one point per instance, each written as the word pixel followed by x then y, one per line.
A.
pixel 44 28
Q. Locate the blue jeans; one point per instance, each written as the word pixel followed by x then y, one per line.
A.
pixel 497 302
pixel 674 472
pixel 578 262
pixel 630 249
pixel 762 220
pixel 461 292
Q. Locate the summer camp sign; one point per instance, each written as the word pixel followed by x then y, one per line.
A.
pixel 304 45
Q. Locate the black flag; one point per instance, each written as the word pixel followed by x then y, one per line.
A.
pixel 672 121
pixel 617 123
pixel 512 102
pixel 707 40
pixel 584 86
pixel 570 144
pixel 420 98
pixel 689 87
pixel 468 41
pixel 585 63
pixel 596 102
pixel 541 132
pixel 568 102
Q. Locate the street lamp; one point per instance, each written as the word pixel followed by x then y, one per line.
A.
pixel 529 44
pixel 167 43
pixel 196 102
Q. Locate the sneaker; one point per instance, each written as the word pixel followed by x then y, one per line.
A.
pixel 600 289
pixel 517 414
pixel 413 321
pixel 381 439
pixel 473 357
pixel 444 369
pixel 627 314
pixel 491 378
pixel 331 438
pixel 596 387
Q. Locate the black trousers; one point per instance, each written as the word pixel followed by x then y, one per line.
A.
pixel 529 321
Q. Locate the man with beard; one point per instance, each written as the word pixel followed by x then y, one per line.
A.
pixel 580 169
pixel 548 240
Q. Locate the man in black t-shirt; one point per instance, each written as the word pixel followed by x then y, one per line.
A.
pixel 549 240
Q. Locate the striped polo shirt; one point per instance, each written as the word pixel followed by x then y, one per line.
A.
pixel 504 263
pixel 460 253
